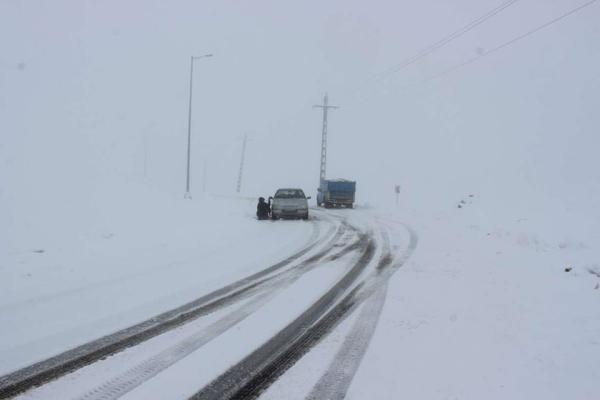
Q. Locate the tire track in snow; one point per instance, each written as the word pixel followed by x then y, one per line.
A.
pixel 334 383
pixel 355 345
pixel 336 380
pixel 248 378
pixel 70 360
pixel 130 379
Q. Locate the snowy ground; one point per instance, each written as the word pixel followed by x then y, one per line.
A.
pixel 483 307
pixel 69 278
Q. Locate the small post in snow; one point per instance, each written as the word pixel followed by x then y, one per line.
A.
pixel 397 191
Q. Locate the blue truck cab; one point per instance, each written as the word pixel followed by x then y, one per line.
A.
pixel 336 193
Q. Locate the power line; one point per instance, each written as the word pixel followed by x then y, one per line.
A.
pixel 510 42
pixel 433 47
pixel 442 42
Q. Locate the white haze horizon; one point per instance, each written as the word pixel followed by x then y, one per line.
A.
pixel 94 97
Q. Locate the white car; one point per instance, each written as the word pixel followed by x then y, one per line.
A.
pixel 289 203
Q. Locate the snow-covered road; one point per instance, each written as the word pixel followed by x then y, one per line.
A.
pixel 296 309
pixel 237 338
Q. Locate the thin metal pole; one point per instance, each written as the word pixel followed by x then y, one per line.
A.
pixel 187 194
pixel 241 173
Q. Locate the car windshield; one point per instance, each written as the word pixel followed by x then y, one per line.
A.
pixel 289 194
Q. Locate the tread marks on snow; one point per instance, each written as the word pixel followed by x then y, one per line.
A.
pixel 258 370
pixel 70 360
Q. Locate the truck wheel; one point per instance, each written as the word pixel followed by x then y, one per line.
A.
pixel 327 205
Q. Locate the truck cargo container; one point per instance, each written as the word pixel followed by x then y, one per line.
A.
pixel 336 193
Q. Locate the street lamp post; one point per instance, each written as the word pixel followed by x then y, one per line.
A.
pixel 187 194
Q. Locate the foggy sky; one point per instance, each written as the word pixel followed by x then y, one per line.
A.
pixel 90 89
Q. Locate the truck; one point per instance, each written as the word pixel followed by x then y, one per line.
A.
pixel 336 193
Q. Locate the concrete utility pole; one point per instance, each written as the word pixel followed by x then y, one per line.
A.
pixel 239 182
pixel 187 194
pixel 325 106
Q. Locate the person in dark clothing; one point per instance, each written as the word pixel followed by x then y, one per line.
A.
pixel 263 209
